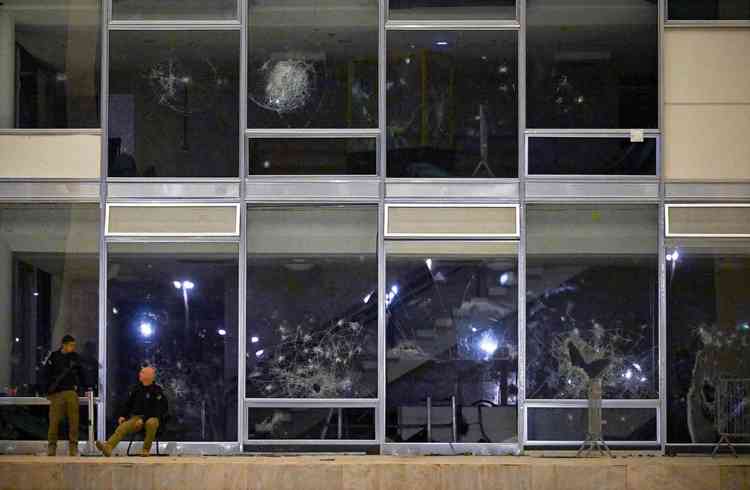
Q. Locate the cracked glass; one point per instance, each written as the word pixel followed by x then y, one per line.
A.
pixel 708 336
pixel 312 318
pixel 313 64
pixel 592 304
pixel 174 104
pixel 451 346
pixel 452 104
pixel 174 306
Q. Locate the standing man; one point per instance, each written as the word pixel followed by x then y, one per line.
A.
pixel 63 370
pixel 147 406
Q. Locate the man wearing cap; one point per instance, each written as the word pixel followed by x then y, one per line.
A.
pixel 146 406
pixel 64 375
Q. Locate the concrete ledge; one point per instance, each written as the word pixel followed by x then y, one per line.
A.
pixel 374 473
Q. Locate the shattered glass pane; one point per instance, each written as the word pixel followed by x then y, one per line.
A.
pixel 313 64
pixel 592 309
pixel 591 156
pixel 50 64
pixel 451 9
pixel 451 337
pixel 312 302
pixel 708 9
pixel 708 332
pixel 311 423
pixel 571 424
pixel 174 9
pixel 304 156
pixel 174 307
pixel 174 104
pixel 592 64
pixel 452 104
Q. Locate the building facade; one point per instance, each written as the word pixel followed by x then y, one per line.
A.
pixel 403 226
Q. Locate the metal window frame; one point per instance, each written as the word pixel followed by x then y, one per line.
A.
pixel 151 204
pixel 670 23
pixel 454 448
pixel 458 235
pixel 111 21
pixel 332 403
pixel 398 24
pixel 652 404
pixel 366 134
pixel 604 134
pixel 669 234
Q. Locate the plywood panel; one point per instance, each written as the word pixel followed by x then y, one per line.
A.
pixel 707 142
pixel 707 65
pixel 50 156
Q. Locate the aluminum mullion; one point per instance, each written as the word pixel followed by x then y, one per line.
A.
pixel 661 417
pixel 671 24
pixel 380 413
pixel 311 402
pixel 279 133
pixel 101 427
pixel 590 132
pixel 521 226
pixel 310 442
pixel 166 25
pixel 435 25
pixel 242 289
pixel 51 131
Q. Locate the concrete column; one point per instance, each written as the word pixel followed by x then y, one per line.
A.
pixel 7 70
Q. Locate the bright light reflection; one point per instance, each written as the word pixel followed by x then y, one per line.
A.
pixel 146 329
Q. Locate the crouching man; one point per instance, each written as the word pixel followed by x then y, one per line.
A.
pixel 146 407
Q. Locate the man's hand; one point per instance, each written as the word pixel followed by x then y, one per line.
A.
pixel 120 420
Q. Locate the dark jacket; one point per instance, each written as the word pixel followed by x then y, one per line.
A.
pixel 63 372
pixel 146 401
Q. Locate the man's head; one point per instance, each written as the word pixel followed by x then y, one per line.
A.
pixel 68 344
pixel 147 375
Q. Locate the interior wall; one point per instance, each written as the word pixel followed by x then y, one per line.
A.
pixel 707 104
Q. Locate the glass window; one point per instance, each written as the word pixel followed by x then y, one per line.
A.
pixel 174 104
pixel 305 156
pixel 49 64
pixel 591 156
pixel 451 342
pixel 313 64
pixel 708 9
pixel 174 10
pixel 174 306
pixel 592 310
pixel 708 332
pixel 311 423
pixel 452 104
pixel 592 64
pixel 49 285
pixel 312 319
pixel 451 9
pixel 571 424
pixel 30 423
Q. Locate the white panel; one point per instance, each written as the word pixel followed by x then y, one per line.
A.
pixel 707 65
pixel 470 220
pixel 708 220
pixel 75 156
pixel 184 219
pixel 707 142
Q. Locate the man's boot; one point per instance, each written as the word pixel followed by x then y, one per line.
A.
pixel 104 448
pixel 73 449
pixel 51 449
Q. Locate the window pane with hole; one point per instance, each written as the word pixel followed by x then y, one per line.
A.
pixel 174 104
